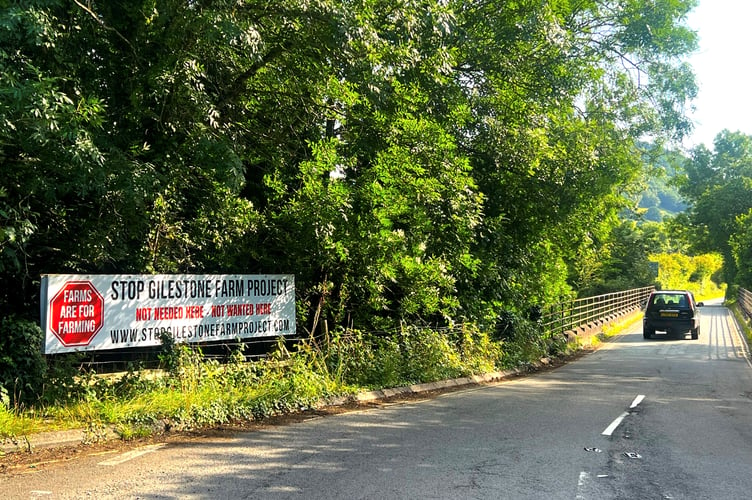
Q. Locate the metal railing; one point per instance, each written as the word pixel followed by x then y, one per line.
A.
pixel 556 319
pixel 571 314
pixel 744 298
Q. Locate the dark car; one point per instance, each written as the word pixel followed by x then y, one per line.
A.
pixel 674 312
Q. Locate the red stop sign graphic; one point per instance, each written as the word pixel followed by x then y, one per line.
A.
pixel 76 313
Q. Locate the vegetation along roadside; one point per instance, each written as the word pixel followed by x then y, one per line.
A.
pixel 445 163
pixel 192 392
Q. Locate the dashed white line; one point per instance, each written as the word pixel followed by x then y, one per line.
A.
pixel 582 484
pixel 637 401
pixel 611 428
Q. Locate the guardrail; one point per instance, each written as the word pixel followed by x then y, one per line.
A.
pixel 744 298
pixel 557 319
pixel 572 314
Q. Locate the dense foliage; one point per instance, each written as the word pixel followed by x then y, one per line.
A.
pixel 420 161
pixel 677 271
pixel 718 182
pixel 661 198
pixel 411 162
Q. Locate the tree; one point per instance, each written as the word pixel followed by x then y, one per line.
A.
pixel 421 161
pixel 719 184
pixel 741 249
pixel 560 95
pixel 682 272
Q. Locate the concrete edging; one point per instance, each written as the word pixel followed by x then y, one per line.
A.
pixel 379 394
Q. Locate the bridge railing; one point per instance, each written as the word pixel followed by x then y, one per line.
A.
pixel 744 298
pixel 571 314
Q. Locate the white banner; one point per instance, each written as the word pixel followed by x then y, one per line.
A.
pixel 92 312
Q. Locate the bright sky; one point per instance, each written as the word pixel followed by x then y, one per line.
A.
pixel 722 68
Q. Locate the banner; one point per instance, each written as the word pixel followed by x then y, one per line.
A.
pixel 93 312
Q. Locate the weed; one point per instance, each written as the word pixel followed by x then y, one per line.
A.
pixel 195 392
pixel 129 432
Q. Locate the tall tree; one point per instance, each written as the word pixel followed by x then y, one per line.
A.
pixel 418 160
pixel 560 93
pixel 719 184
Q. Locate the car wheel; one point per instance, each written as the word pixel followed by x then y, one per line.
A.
pixel 647 334
pixel 696 333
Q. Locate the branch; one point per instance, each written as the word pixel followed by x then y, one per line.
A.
pixel 87 9
pixel 238 85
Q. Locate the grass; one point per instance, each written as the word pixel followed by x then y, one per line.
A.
pixel 741 320
pixel 16 423
pixel 197 393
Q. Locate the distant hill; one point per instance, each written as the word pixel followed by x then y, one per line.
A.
pixel 660 199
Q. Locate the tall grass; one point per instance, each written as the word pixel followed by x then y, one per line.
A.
pixel 194 392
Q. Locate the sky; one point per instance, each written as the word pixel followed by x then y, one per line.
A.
pixel 723 69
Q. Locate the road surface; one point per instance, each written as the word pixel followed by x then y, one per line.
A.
pixel 637 419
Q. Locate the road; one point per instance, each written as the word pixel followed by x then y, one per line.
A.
pixel 637 419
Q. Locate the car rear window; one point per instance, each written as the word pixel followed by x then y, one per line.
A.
pixel 669 300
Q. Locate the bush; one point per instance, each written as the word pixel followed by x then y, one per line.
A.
pixel 22 364
pixel 364 360
pixel 198 392
pixel 66 382
pixel 478 352
pixel 410 356
pixel 429 356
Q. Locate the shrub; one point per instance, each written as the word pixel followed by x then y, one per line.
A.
pixel 22 364
pixel 412 355
pixel 478 352
pixel 364 360
pixel 429 356
pixel 65 382
pixel 528 344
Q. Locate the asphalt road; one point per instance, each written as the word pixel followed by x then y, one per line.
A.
pixel 637 419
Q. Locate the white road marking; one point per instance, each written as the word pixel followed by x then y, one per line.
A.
pixel 611 428
pixel 132 454
pixel 637 401
pixel 582 484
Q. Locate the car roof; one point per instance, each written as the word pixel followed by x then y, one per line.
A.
pixel 670 295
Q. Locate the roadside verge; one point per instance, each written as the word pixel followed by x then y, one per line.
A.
pixel 587 341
